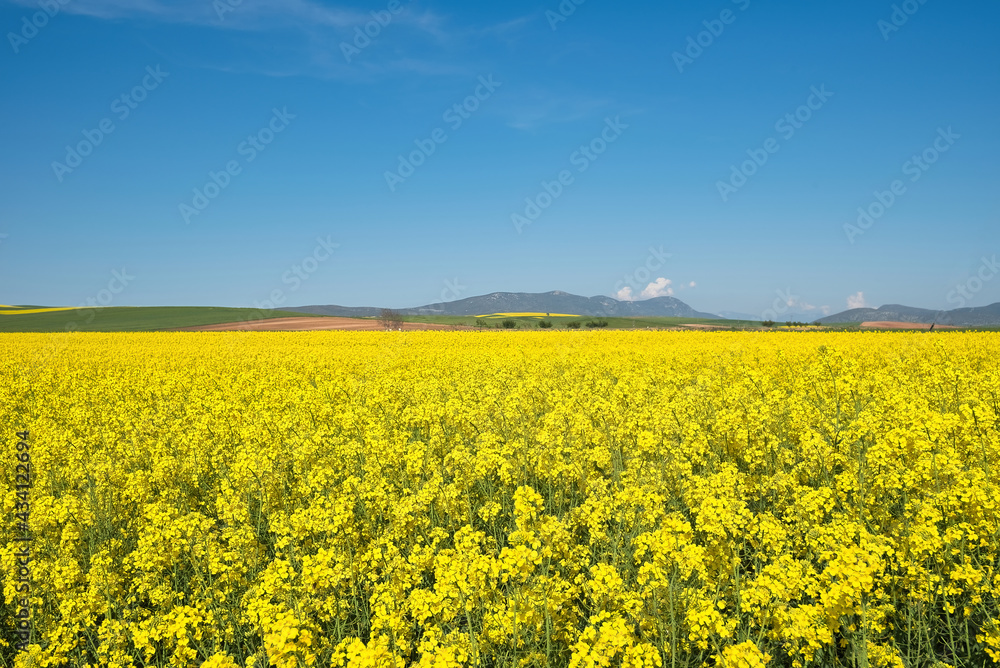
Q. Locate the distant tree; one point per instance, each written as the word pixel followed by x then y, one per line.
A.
pixel 597 323
pixel 390 319
pixel 509 324
pixel 573 324
pixel 767 323
pixel 544 324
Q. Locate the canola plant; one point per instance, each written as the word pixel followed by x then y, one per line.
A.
pixel 581 499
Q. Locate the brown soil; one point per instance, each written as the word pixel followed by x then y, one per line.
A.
pixel 901 325
pixel 311 324
pixel 708 327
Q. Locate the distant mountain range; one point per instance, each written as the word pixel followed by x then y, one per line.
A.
pixel 980 316
pixel 784 317
pixel 563 302
pixel 525 302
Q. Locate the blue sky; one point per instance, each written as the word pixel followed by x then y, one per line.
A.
pixel 227 153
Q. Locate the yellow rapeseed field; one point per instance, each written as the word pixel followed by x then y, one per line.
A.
pixel 12 310
pixel 579 499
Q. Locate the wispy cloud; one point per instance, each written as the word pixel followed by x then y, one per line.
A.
pixel 857 300
pixel 268 15
pixel 510 32
pixel 535 108
pixel 795 302
pixel 249 14
pixel 286 38
pixel 313 33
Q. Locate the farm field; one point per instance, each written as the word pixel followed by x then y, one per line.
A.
pixel 167 318
pixel 582 499
pixel 125 318
pixel 170 318
pixel 560 321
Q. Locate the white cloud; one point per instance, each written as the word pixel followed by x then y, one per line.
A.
pixel 692 284
pixel 625 295
pixel 661 287
pixel 857 300
pixel 825 309
pixel 658 288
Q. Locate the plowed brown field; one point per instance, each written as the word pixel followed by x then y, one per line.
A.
pixel 307 324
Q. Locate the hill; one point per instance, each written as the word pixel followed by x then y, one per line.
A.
pixel 980 316
pixel 528 302
pixel 130 318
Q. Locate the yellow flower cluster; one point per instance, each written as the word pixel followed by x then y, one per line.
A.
pixel 447 499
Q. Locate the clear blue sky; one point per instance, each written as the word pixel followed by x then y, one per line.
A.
pixel 188 88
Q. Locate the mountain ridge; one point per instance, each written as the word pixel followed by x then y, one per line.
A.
pixel 557 301
pixel 978 316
